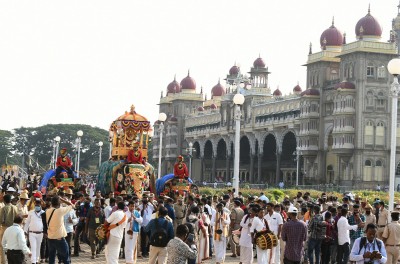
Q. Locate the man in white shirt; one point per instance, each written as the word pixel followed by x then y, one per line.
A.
pixel 245 242
pixel 117 221
pixel 108 209
pixel 131 232
pixel 14 243
pixel 369 249
pixel 220 221
pixel 34 229
pixel 146 210
pixel 343 251
pixel 275 222
pixel 257 226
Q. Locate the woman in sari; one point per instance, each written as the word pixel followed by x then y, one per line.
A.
pixel 203 237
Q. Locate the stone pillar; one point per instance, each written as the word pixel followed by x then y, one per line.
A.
pixel 259 168
pixel 214 169
pixel 228 169
pixel 251 168
pixel 201 169
pixel 278 168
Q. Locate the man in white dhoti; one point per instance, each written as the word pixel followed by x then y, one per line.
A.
pixel 220 221
pixel 131 233
pixel 259 224
pixel 275 223
pixel 246 242
pixel 117 221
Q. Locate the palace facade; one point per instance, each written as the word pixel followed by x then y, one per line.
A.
pixel 339 125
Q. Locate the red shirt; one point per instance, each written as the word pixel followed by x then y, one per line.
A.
pixel 181 170
pixel 64 162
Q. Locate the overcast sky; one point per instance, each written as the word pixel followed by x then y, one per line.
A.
pixel 88 61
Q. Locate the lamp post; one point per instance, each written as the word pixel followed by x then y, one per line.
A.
pixel 56 144
pixel 297 154
pixel 238 100
pixel 78 141
pixel 190 154
pixel 161 117
pixel 100 147
pixel 394 69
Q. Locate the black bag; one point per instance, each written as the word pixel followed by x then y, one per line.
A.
pixel 159 238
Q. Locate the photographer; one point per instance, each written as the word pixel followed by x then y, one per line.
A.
pixel 368 249
pixel 179 251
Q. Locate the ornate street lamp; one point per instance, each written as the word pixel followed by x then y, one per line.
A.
pixel 56 144
pixel 100 148
pixel 161 117
pixel 78 141
pixel 394 69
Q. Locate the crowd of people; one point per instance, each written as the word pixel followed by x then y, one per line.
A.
pixel 196 228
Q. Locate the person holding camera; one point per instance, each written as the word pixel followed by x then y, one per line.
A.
pixel 369 249
pixel 180 249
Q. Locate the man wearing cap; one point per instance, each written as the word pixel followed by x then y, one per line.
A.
pixel 391 238
pixel 34 230
pixel 180 210
pixel 369 216
pixel 294 233
pixel 382 219
pixel 236 217
pixel 180 169
pixel 7 215
pixel 64 163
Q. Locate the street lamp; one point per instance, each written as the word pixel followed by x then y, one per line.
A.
pixel 238 100
pixel 100 147
pixel 161 117
pixel 394 69
pixel 56 144
pixel 78 141
pixel 190 154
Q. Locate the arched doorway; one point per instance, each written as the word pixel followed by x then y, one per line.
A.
pixel 332 161
pixel 221 160
pixel 208 155
pixel 288 155
pixel 244 164
pixel 196 172
pixel 269 160
pixel 330 174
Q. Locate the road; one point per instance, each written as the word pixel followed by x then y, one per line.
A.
pixel 86 258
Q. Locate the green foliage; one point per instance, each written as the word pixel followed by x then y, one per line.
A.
pixel 5 146
pixel 37 142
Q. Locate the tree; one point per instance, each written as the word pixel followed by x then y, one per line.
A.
pixel 5 147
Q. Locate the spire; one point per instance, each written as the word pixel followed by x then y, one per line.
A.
pixel 369 8
pixel 310 49
pixel 344 38
pixel 161 94
pixel 333 21
pixel 175 77
pixel 188 72
pixel 201 90
pixel 259 55
pixel 219 80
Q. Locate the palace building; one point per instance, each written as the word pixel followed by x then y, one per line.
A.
pixel 339 123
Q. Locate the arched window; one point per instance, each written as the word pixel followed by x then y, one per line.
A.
pixel 367 170
pixel 369 134
pixel 378 171
pixel 380 134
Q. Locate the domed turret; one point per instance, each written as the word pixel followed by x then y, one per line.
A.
pixel 345 85
pixel 259 63
pixel 213 106
pixel 188 83
pixel 310 92
pixel 218 90
pixel 234 70
pixel 331 38
pixel 297 89
pixel 277 92
pixel 173 87
pixel 200 109
pixel 368 28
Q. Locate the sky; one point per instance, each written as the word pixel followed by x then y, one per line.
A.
pixel 87 61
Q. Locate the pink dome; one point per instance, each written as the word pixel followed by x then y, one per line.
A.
pixel 368 26
pixel 331 37
pixel 200 109
pixel 188 83
pixel 345 85
pixel 234 70
pixel 297 89
pixel 213 106
pixel 173 119
pixel 277 92
pixel 310 92
pixel 218 90
pixel 259 63
pixel 173 87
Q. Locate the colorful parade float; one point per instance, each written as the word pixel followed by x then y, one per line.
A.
pixel 127 169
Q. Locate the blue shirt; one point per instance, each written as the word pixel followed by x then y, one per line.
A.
pixel 151 227
pixel 171 212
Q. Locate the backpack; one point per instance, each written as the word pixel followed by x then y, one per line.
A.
pixel 363 243
pixel 159 238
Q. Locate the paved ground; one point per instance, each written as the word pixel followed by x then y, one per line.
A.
pixel 86 258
